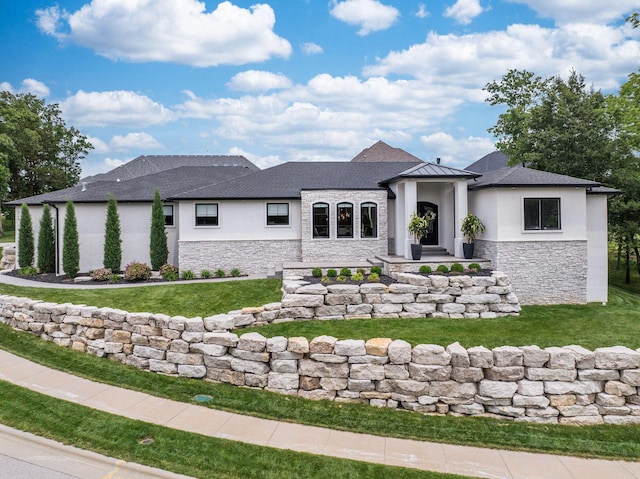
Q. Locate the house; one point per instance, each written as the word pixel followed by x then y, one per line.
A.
pixel 547 231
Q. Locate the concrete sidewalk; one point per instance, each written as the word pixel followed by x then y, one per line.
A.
pixel 466 461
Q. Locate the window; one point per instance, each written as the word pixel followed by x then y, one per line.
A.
pixel 167 210
pixel 320 220
pixel 345 220
pixel 368 220
pixel 277 214
pixel 542 213
pixel 207 214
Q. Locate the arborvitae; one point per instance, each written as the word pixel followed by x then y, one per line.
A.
pixel 71 244
pixel 159 251
pixel 25 239
pixel 46 243
pixel 112 241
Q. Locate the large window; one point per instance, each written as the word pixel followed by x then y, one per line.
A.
pixel 167 211
pixel 207 214
pixel 320 220
pixel 277 214
pixel 368 220
pixel 345 220
pixel 542 213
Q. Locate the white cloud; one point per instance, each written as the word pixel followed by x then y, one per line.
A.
pixel 464 11
pixel 422 11
pixel 99 146
pixel 456 152
pixel 179 31
pixel 311 48
pixel 369 15
pixel 110 108
pixel 113 162
pixel 261 162
pixel 29 85
pixel 254 80
pixel 568 11
pixel 135 141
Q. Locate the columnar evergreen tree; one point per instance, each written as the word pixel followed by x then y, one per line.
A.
pixel 25 239
pixel 112 241
pixel 71 244
pixel 46 243
pixel 158 241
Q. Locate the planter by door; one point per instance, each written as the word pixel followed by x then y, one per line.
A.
pixel 467 249
pixel 416 251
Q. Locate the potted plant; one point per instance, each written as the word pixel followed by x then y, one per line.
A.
pixel 419 227
pixel 471 227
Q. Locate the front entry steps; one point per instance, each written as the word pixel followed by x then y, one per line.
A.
pixel 434 251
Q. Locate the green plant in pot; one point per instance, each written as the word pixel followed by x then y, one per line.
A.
pixel 471 227
pixel 419 227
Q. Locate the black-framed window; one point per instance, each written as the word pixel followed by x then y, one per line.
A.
pixel 167 211
pixel 277 214
pixel 344 220
pixel 320 220
pixel 541 214
pixel 368 220
pixel 207 214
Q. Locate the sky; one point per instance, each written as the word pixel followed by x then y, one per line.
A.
pixel 299 80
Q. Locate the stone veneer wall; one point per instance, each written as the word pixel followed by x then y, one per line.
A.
pixel 333 248
pixel 545 272
pixel 249 256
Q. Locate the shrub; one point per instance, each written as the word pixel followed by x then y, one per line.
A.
pixel 235 272
pixel 373 277
pixel 345 272
pixel 26 247
pixel 457 268
pixel 137 271
pixel 28 271
pixel 425 269
pixel 341 278
pixel 112 242
pixel 442 269
pixel 70 241
pixel 169 269
pixel 361 271
pixel 114 278
pixel 475 267
pixel 170 276
pixel 187 274
pixel 205 274
pixel 316 273
pixel 325 280
pixel 101 274
pixel 46 243
pixel 220 273
pixel 376 269
pixel 158 249
pixel 357 277
pixel 332 273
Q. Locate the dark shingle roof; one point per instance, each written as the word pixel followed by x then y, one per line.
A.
pixel 381 152
pixel 493 161
pixel 522 176
pixel 150 164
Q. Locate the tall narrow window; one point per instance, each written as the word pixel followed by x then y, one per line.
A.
pixel 207 214
pixel 320 220
pixel 345 220
pixel 368 220
pixel 277 214
pixel 542 213
pixel 167 210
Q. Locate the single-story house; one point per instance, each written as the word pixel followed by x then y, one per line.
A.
pixel 547 231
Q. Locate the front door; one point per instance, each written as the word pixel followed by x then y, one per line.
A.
pixel 431 237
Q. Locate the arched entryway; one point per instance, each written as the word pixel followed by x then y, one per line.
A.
pixel 431 238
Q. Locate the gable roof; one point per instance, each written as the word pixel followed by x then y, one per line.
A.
pixel 432 170
pixel 493 161
pixel 527 177
pixel 381 152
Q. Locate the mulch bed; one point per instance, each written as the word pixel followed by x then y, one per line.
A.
pixel 63 279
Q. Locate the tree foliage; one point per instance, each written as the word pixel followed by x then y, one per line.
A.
pixel 46 243
pixel 112 242
pixel 159 250
pixel 70 242
pixel 26 248
pixel 38 152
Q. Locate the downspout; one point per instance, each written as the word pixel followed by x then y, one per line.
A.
pixel 57 230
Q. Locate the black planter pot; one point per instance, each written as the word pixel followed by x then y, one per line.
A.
pixel 416 251
pixel 467 248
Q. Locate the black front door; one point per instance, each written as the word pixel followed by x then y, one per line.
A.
pixel 432 236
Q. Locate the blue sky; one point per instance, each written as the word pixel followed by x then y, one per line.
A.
pixel 299 80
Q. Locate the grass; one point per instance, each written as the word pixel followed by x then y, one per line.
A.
pixel 173 450
pixel 614 442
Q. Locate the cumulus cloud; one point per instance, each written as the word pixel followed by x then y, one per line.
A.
pixel 179 31
pixel 114 108
pixel 571 11
pixel 99 146
pixel 456 152
pixel 113 162
pixel 28 85
pixel 261 162
pixel 311 48
pixel 369 15
pixel 135 141
pixel 422 11
pixel 464 11
pixel 254 80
